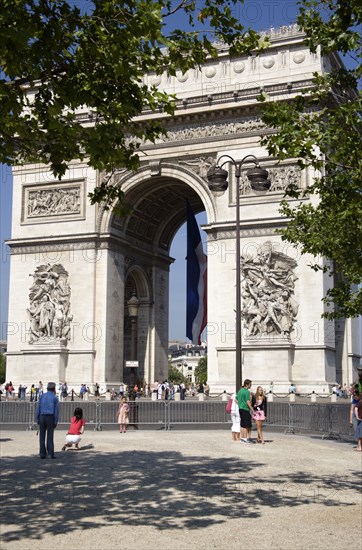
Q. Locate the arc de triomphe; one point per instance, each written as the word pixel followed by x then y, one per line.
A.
pixel 74 266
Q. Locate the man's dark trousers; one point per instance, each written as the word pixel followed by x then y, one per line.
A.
pixel 46 426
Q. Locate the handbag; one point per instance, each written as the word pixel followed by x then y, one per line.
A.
pixel 228 406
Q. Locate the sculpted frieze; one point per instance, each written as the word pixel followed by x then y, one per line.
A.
pixel 200 165
pixel 203 130
pixel 54 201
pixel 280 176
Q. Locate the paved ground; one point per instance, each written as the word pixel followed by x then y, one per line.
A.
pixel 180 490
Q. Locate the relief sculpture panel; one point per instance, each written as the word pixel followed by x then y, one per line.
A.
pixel 49 310
pixel 269 305
pixel 53 201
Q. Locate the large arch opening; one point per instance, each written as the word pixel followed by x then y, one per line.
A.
pixel 142 241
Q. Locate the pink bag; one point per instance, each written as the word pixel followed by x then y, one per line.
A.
pixel 228 406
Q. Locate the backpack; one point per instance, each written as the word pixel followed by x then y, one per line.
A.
pixel 228 406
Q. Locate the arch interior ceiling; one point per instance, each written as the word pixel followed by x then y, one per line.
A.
pixel 158 210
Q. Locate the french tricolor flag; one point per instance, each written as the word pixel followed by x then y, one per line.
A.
pixel 196 307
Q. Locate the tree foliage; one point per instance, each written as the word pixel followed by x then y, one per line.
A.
pixel 56 60
pixel 175 376
pixel 323 128
pixel 201 371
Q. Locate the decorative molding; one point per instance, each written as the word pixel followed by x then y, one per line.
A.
pixel 285 31
pixel 213 129
pixel 268 62
pixel 239 67
pixel 45 247
pixel 223 234
pixel 155 167
pixel 298 57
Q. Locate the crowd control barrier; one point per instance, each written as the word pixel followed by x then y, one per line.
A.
pixel 328 419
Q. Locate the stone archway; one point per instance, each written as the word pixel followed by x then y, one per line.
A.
pixel 138 260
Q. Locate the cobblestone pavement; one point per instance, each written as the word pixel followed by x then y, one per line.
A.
pixel 180 490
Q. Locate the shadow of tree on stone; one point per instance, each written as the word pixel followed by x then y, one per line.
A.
pixel 166 490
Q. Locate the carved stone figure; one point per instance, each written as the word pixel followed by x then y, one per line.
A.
pixel 280 176
pixel 54 201
pixel 49 298
pixel 269 307
pixel 200 165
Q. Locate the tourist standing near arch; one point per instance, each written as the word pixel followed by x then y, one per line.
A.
pixel 47 416
pixel 245 410
pixel 259 404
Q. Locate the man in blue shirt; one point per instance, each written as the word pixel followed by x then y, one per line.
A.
pixel 47 416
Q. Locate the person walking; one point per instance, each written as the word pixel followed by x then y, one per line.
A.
pixel 259 405
pixel 245 411
pixel 123 415
pixel 47 417
pixel 76 429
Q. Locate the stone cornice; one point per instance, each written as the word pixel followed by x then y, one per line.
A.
pixel 250 228
pixel 58 243
pixel 232 99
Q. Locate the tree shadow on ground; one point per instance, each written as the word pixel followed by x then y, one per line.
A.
pixel 165 489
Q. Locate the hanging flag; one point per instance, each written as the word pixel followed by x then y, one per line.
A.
pixel 196 306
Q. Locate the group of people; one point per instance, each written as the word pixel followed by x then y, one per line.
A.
pixel 47 418
pixel 245 408
pixel 10 391
pixel 340 391
pixel 166 390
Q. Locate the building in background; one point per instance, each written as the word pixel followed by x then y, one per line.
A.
pixel 186 359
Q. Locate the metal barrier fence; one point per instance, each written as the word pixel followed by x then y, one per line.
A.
pixel 328 419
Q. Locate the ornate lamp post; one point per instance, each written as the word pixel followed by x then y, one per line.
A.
pixel 133 307
pixel 217 179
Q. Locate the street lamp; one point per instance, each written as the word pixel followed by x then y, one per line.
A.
pixel 133 305
pixel 217 179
